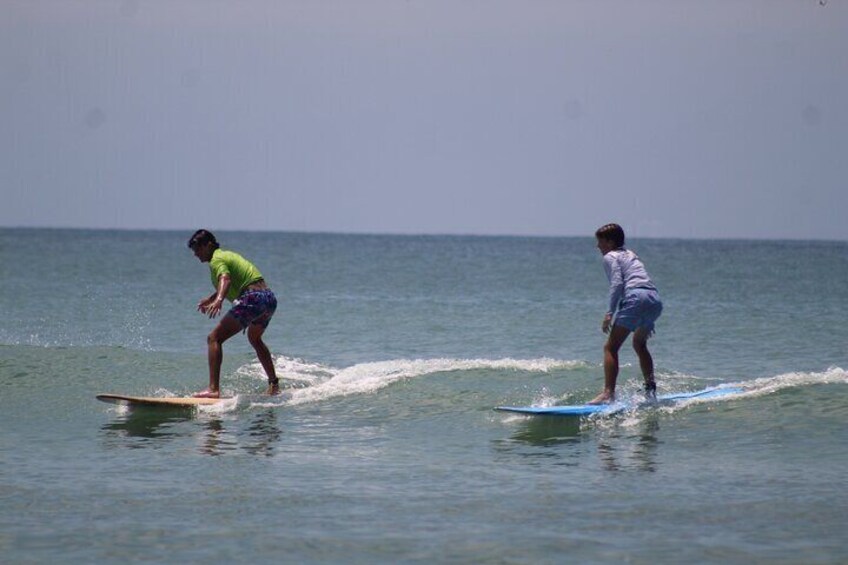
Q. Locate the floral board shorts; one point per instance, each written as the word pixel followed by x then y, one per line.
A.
pixel 639 308
pixel 254 307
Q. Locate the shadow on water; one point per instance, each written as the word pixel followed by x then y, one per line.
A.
pixel 618 446
pixel 156 428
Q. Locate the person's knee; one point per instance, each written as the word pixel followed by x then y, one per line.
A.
pixel 256 342
pixel 216 337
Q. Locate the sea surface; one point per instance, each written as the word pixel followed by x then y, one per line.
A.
pixel 384 446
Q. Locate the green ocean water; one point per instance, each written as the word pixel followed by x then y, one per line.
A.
pixel 384 447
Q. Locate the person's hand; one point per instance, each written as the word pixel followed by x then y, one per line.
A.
pixel 213 308
pixel 210 306
pixel 203 305
pixel 605 326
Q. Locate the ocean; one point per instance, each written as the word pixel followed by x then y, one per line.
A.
pixel 384 446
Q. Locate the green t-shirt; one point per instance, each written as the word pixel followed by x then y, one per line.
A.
pixel 242 272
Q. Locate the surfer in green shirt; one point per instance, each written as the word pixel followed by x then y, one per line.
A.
pixel 238 280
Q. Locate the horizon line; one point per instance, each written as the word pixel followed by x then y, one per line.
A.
pixel 422 234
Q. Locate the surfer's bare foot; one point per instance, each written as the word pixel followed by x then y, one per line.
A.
pixel 603 398
pixel 207 394
pixel 274 388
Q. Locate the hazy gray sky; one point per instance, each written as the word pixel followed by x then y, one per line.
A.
pixel 711 118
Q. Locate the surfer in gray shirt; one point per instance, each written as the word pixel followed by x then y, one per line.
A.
pixel 634 306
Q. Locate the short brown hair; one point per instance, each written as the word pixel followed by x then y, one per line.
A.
pixel 611 232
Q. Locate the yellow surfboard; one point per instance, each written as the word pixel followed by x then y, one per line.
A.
pixel 164 401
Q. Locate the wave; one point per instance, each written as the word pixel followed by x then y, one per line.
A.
pixel 311 382
pixel 673 382
pixel 306 382
pixel 755 388
pixel 769 385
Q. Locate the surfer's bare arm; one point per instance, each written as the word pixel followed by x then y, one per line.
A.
pixel 211 306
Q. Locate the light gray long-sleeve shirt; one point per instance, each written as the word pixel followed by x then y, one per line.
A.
pixel 625 271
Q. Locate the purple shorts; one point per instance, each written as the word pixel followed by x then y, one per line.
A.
pixel 254 307
pixel 639 308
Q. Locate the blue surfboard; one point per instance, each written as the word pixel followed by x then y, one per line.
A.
pixel 606 409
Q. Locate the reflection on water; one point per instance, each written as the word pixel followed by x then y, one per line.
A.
pixel 259 438
pixel 214 438
pixel 141 426
pixel 263 434
pixel 254 433
pixel 549 430
pixel 628 449
pixel 620 445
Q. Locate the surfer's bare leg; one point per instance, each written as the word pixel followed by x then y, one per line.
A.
pixel 254 335
pixel 616 338
pixel 226 328
pixel 646 362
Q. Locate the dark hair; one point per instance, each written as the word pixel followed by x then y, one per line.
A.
pixel 611 232
pixel 202 237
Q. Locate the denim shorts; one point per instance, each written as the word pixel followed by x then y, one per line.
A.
pixel 254 307
pixel 639 308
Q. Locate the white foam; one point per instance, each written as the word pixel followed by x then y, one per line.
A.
pixel 222 407
pixel 769 385
pixel 313 382
pixel 757 387
pixel 545 398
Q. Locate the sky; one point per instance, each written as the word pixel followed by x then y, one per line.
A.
pixel 674 118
